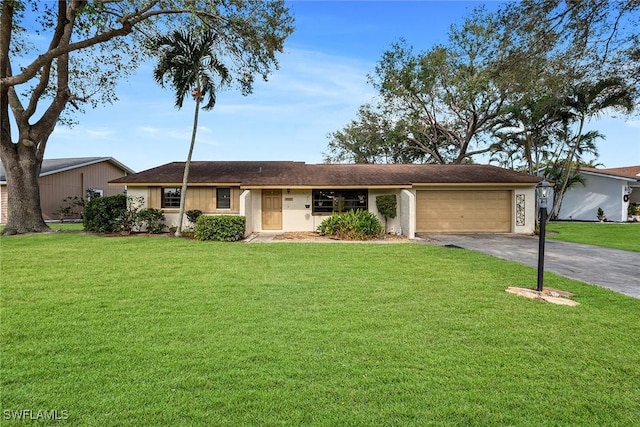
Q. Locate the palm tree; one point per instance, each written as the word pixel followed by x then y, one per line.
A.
pixel 190 66
pixel 526 130
pixel 588 100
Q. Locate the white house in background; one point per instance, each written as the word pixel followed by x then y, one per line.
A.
pixel 610 189
pixel 295 196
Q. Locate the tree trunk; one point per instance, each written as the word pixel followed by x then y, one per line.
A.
pixel 24 214
pixel 566 172
pixel 187 165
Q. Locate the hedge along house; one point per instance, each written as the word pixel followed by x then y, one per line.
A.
pixel 295 196
pixel 70 177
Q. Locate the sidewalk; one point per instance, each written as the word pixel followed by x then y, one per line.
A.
pixel 262 237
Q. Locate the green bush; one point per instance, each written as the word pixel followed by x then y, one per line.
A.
pixel 222 228
pixel 354 225
pixel 69 207
pixel 193 215
pixel 152 219
pixel 387 206
pixel 104 214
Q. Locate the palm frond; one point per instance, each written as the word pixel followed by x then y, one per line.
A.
pixel 187 61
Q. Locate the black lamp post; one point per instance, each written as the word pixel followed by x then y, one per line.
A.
pixel 543 191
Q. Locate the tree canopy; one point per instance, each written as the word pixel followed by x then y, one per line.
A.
pixel 56 54
pixel 516 87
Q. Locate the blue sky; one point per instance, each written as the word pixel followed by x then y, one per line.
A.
pixel 318 89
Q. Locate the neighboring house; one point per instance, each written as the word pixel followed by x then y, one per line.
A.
pixel 294 196
pixel 62 178
pixel 609 189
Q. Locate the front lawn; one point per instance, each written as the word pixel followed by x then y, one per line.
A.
pixel 624 236
pixel 160 331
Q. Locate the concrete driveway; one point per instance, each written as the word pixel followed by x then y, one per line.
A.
pixel 609 268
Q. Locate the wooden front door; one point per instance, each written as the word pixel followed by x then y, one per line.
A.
pixel 272 209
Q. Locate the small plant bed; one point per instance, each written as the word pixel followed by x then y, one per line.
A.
pixel 352 225
pixel 311 236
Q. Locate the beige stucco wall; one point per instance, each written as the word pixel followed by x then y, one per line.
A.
pixel 245 210
pixel 255 203
pixel 407 214
pixel 142 192
pixel 295 215
pixel 393 224
pixel 529 218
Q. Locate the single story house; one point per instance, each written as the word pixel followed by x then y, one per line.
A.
pixel 295 196
pixel 70 177
pixel 611 189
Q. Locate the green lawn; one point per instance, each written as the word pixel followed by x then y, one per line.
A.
pixel 609 234
pixel 159 331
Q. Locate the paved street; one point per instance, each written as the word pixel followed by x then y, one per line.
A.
pixel 609 268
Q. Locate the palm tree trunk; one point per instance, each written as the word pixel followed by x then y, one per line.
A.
pixel 187 165
pixel 566 172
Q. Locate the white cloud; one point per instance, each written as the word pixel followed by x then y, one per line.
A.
pixel 149 130
pixel 84 132
pixel 100 132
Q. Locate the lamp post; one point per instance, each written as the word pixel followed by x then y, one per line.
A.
pixel 543 191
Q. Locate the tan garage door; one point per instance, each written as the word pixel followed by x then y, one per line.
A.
pixel 463 211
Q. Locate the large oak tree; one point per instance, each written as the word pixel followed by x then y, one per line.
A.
pixel 443 103
pixel 89 47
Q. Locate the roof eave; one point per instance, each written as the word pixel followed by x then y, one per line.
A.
pixel 89 163
pixel 609 175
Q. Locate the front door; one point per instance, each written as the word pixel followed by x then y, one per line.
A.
pixel 272 209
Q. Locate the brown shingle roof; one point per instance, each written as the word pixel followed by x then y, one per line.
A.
pixel 625 171
pixel 51 166
pixel 299 174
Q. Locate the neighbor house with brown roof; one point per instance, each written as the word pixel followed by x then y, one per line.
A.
pixel 70 177
pixel 295 196
pixel 610 189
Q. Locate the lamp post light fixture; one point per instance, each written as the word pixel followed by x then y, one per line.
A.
pixel 543 193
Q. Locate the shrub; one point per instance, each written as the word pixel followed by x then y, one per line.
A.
pixel 387 206
pixel 152 219
pixel 193 215
pixel 69 207
pixel 222 228
pixel 355 225
pixel 105 214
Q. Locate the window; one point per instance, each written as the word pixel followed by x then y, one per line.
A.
pixel 170 197
pixel 94 193
pixel 329 201
pixel 223 198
